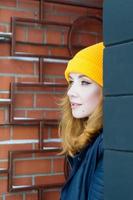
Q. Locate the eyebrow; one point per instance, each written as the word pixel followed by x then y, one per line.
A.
pixel 80 76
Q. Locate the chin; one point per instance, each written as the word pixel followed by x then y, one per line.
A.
pixel 79 116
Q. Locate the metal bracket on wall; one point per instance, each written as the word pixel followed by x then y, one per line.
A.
pixel 5 101
pixel 42 144
pixel 80 27
pixel 3 171
pixel 43 61
pixel 5 37
pixel 46 46
pixel 14 87
pixel 47 124
pixel 65 51
pixel 39 187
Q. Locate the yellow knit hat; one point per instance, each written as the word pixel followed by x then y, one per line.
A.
pixel 89 62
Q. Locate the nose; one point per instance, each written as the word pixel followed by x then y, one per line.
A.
pixel 72 91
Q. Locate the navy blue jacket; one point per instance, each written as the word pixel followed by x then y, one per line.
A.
pixel 86 177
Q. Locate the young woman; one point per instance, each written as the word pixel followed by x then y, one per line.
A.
pixel 82 124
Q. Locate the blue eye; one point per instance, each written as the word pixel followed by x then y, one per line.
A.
pixel 85 83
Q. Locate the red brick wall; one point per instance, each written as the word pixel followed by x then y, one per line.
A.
pixel 33 101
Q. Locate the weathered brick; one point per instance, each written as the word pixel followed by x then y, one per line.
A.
pixel 55 179
pixel 14 197
pixel 48 195
pixel 25 132
pixel 16 67
pixel 29 167
pixel 5 148
pixel 32 196
pixel 4 133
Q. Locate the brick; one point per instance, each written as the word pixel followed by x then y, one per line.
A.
pixel 87 39
pixel 24 132
pixel 52 115
pixel 29 167
pixel 69 10
pixel 27 79
pixel 48 7
pixel 4 164
pixel 56 18
pixel 22 181
pixel 31 196
pixel 33 89
pixel 9 147
pixel 52 144
pixel 47 100
pixel 58 165
pixel 54 132
pixel 35 114
pixel 61 80
pixel 19 113
pixel 31 5
pixel 3 185
pixel 20 101
pixel 6 80
pixel 47 89
pixel 4 133
pixel 60 91
pixel 99 37
pixel 2 116
pixel 16 67
pixel 35 35
pixel 20 33
pixel 65 36
pixel 47 154
pixel 54 179
pixel 62 52
pixel 23 155
pixel 50 39
pixel 90 12
pixel 5 49
pixel 45 132
pixel 5 14
pixel 54 69
pixel 85 32
pixel 3 28
pixel 14 197
pixel 30 49
pixel 89 25
pixel 8 3
pixel 48 195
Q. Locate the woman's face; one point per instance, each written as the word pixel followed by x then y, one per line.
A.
pixel 84 95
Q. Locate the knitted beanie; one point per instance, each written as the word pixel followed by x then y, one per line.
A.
pixel 89 62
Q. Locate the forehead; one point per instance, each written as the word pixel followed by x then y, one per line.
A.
pixel 73 75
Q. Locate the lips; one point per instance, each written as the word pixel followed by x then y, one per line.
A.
pixel 75 105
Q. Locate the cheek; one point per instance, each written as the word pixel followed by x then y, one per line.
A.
pixel 92 98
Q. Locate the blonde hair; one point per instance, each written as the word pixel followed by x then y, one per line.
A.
pixel 77 133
